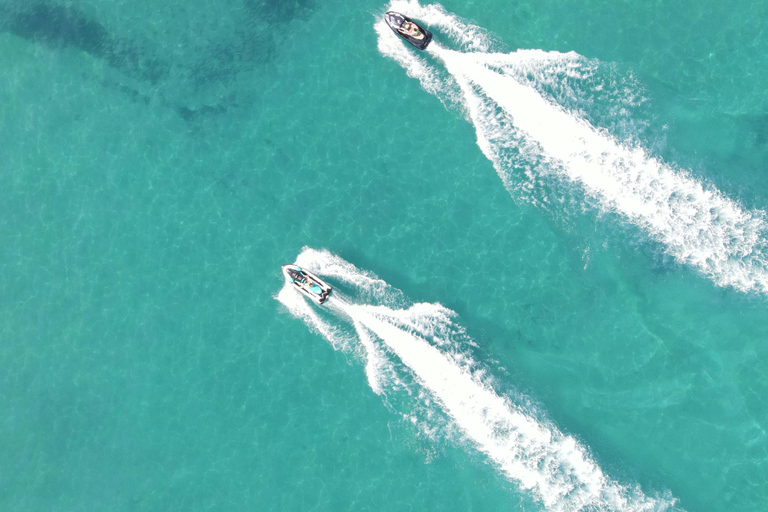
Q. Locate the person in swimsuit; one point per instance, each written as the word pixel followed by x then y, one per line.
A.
pixel 409 28
pixel 311 287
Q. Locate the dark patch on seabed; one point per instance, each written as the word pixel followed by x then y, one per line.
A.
pixel 191 114
pixel 253 44
pixel 225 60
pixel 57 26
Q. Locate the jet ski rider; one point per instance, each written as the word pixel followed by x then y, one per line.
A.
pixel 411 29
pixel 312 287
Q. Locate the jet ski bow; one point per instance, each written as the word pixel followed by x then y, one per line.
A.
pixel 307 283
pixel 408 29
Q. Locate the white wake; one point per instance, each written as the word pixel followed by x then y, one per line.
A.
pixel 420 347
pixel 512 101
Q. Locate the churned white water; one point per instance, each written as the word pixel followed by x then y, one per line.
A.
pixel 529 138
pixel 424 341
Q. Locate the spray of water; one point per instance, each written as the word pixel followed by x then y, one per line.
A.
pixel 533 131
pixel 421 349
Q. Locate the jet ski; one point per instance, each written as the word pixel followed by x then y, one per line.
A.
pixel 408 29
pixel 307 283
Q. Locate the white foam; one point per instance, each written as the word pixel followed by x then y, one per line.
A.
pixel 538 457
pixel 697 225
pixel 554 467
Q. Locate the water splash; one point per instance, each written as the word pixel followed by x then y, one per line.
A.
pixel 419 352
pixel 532 124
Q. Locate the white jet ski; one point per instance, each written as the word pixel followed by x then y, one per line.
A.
pixel 307 283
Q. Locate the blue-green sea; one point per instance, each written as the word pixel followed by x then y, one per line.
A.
pixel 561 205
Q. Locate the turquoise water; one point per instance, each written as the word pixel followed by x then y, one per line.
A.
pixel 161 160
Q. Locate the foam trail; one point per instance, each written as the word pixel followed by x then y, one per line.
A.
pixel 552 466
pixel 499 93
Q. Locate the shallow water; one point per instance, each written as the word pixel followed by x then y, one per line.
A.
pixel 161 160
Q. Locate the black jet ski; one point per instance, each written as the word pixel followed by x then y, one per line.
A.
pixel 408 29
pixel 307 283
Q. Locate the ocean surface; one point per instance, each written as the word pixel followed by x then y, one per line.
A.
pixel 547 237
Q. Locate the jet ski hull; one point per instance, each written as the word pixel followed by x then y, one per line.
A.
pixel 307 283
pixel 396 21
